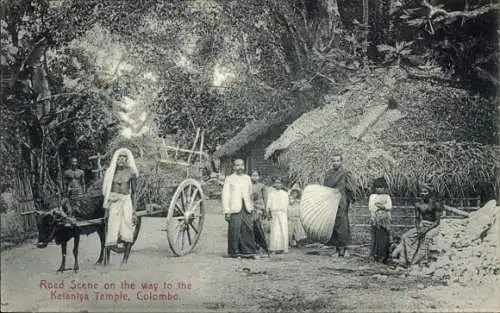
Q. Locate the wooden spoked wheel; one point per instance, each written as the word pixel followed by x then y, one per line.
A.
pixel 185 217
pixel 120 247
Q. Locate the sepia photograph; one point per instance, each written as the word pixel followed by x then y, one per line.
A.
pixel 249 156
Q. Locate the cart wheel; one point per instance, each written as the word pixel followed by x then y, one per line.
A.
pixel 185 217
pixel 120 247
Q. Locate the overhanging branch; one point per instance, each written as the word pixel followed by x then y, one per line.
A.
pixel 443 14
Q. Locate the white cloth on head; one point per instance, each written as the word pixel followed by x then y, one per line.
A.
pixel 110 173
pixel 120 222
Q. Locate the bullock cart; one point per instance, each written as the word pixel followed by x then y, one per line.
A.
pixel 168 187
pixel 181 205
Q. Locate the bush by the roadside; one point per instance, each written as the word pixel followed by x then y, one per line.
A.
pixel 12 225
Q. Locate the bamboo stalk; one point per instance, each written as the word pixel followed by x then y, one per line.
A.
pixel 31 204
pixel 177 149
pixel 365 30
pixel 201 145
pixel 194 144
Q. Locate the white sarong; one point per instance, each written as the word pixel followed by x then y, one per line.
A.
pixel 120 219
pixel 277 204
pixel 278 240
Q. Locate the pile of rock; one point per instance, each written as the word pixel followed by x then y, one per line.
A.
pixel 469 249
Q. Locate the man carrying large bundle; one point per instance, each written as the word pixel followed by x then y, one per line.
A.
pixel 118 189
pixel 337 178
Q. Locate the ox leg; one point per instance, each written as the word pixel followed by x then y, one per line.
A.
pixel 64 244
pixel 102 238
pixel 76 243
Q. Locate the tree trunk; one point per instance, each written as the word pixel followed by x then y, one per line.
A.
pixel 365 25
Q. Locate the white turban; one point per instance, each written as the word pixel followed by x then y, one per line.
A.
pixel 110 172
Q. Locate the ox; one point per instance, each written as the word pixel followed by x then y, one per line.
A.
pixel 53 225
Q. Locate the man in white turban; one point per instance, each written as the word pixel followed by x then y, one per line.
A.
pixel 118 188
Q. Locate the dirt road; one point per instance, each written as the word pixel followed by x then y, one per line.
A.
pixel 206 281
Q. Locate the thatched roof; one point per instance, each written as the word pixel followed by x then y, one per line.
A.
pixel 423 138
pixel 252 131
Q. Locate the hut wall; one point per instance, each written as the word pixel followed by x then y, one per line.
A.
pixel 226 163
pixel 253 155
pixel 266 168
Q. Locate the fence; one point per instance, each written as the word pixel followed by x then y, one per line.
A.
pixel 403 216
pixel 17 203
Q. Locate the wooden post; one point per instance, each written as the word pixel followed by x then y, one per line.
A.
pixel 201 145
pixel 99 169
pixel 177 150
pixel 455 210
pixel 365 25
pixel 202 142
pixel 194 144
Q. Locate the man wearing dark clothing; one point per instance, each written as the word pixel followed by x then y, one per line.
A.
pixel 337 178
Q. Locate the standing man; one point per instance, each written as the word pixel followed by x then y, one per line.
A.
pixel 74 185
pixel 259 198
pixel 118 188
pixel 259 194
pixel 237 206
pixel 337 178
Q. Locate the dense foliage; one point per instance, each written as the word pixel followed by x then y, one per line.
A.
pixel 67 65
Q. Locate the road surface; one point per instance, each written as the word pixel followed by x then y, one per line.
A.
pixel 207 281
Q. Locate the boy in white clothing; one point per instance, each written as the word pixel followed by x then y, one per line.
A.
pixel 296 230
pixel 277 205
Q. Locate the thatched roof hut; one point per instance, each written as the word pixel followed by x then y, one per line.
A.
pixel 251 132
pixel 249 144
pixel 436 133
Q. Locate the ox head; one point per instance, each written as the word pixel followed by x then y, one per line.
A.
pixel 47 220
pixel 47 224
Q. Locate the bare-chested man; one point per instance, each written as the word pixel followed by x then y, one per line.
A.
pixel 118 189
pixel 74 185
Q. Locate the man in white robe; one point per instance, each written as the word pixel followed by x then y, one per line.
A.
pixel 237 206
pixel 119 189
